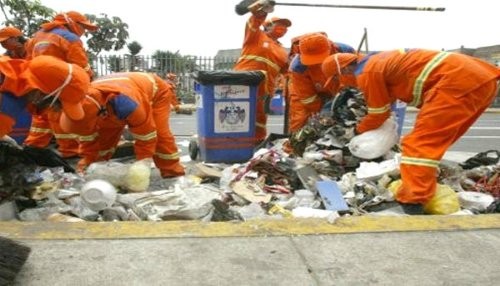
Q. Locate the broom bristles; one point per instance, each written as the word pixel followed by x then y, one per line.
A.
pixel 13 255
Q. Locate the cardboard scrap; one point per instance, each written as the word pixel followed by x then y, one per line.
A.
pixel 250 192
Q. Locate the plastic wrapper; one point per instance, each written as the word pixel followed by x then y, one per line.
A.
pixel 375 143
pixel 134 177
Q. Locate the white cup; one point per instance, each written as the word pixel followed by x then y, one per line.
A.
pixel 98 194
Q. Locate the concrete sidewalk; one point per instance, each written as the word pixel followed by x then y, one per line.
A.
pixel 417 250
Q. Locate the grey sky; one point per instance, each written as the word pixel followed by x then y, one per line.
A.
pixel 201 27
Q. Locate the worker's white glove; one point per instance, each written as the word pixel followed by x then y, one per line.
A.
pixel 9 139
pixel 262 5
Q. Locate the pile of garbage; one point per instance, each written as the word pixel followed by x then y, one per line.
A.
pixel 321 171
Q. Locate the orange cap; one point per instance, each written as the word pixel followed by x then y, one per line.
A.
pixel 63 80
pixel 9 32
pixel 314 49
pixel 282 21
pixel 71 18
pixel 91 104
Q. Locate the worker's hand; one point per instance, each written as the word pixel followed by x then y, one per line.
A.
pixel 266 6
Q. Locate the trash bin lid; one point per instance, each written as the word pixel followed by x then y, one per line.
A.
pixel 218 77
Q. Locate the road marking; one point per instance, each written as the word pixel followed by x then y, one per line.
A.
pixel 253 228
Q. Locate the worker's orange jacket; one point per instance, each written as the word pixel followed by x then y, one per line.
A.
pixel 452 90
pixel 141 101
pixel 307 90
pixel 260 52
pixel 60 43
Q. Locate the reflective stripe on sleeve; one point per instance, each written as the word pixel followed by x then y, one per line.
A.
pixel 379 110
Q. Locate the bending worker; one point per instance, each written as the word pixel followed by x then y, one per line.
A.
pixel 59 38
pixel 262 51
pixel 140 101
pixel 307 89
pixel 452 90
pixel 42 85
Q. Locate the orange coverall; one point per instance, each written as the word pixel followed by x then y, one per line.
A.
pixel 66 45
pixel 260 52
pixel 12 88
pixel 452 90
pixel 307 90
pixel 141 101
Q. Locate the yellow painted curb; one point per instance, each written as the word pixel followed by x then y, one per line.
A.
pixel 285 227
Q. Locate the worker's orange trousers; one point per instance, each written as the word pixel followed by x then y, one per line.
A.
pixel 444 117
pixel 43 127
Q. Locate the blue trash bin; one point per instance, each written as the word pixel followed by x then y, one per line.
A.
pixel 226 111
pixel 399 108
pixel 277 104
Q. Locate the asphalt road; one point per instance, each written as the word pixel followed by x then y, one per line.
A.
pixel 483 135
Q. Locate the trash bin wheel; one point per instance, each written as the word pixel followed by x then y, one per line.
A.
pixel 193 149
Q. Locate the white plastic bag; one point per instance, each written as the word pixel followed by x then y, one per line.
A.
pixel 375 143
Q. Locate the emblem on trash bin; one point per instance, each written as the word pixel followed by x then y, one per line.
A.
pixel 232 117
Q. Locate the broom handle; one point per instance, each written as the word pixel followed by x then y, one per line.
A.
pixel 439 9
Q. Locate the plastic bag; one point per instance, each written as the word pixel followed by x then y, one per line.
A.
pixel 137 178
pixel 133 177
pixel 444 202
pixel 375 143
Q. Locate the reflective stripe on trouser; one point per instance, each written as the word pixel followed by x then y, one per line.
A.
pixel 301 112
pixel 41 132
pixel 444 117
pixel 166 155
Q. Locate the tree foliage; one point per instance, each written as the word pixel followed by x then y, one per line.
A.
pixel 111 35
pixel 27 15
pixel 166 61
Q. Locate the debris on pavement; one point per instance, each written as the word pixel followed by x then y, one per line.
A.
pixel 317 172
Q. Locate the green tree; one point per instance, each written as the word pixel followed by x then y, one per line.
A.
pixel 166 61
pixel 111 35
pixel 134 48
pixel 115 63
pixel 26 15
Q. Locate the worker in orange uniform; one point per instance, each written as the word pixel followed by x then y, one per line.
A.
pixel 452 90
pixel 13 41
pixel 262 51
pixel 59 38
pixel 44 84
pixel 140 101
pixel 307 88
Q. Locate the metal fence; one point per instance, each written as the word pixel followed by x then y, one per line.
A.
pixel 181 66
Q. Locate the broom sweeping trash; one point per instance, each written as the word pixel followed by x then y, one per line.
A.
pixel 13 255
